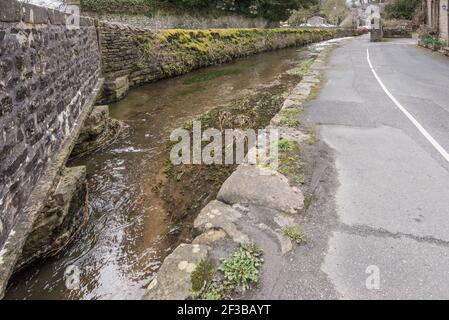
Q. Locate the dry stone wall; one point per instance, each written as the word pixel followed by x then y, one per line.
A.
pixel 48 74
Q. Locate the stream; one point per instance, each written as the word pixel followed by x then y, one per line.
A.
pixel 128 233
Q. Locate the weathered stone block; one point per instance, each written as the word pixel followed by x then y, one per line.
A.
pixel 222 216
pixel 10 11
pixel 376 35
pixel 34 14
pixel 173 278
pixel 97 130
pixel 249 185
pixel 5 106
pixel 61 219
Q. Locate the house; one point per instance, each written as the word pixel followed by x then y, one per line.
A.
pixel 316 21
pixel 437 17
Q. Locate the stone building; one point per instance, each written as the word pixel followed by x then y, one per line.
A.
pixel 316 21
pixel 438 17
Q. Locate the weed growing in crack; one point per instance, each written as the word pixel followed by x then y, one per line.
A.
pixel 295 234
pixel 242 267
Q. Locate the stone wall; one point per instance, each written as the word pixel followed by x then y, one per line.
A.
pixel 438 17
pixel 444 21
pixel 397 33
pixel 48 77
pixel 132 56
pixel 162 20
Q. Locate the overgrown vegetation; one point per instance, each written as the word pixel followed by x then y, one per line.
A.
pixel 239 271
pixel 185 189
pixel 200 184
pixel 295 234
pixel 402 9
pixel 334 11
pixel 175 52
pixel 430 38
pixel 433 42
pixel 272 10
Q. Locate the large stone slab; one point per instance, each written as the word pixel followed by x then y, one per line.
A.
pixel 249 185
pixel 173 279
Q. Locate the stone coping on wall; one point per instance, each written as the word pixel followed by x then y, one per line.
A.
pixel 14 11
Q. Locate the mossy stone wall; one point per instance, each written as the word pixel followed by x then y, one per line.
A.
pixel 142 56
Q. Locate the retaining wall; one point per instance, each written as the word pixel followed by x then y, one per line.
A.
pixel 49 77
pixel 132 56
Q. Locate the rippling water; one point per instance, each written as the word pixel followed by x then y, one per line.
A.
pixel 128 233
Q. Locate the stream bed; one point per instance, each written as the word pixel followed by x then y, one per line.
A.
pixel 129 233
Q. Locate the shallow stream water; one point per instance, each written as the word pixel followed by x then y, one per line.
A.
pixel 128 234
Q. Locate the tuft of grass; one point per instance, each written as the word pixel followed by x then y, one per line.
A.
pixel 295 234
pixel 241 269
pixel 290 164
pixel 289 117
pixel 286 145
pixel 308 202
pixel 157 188
pixel 305 67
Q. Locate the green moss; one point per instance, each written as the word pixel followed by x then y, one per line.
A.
pixel 308 202
pixel 202 276
pixel 177 51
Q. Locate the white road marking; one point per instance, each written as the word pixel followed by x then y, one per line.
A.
pixel 421 129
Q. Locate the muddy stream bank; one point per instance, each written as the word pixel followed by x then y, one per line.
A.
pixel 131 229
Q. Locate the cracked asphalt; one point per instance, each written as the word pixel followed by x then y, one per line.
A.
pixel 391 191
pixel 379 222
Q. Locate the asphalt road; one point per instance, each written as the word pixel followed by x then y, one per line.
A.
pixel 389 238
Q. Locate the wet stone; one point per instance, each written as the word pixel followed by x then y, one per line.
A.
pixel 173 278
pixel 250 185
pixel 219 215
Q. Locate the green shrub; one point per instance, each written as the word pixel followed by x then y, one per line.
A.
pixel 434 42
pixel 273 10
pixel 402 9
